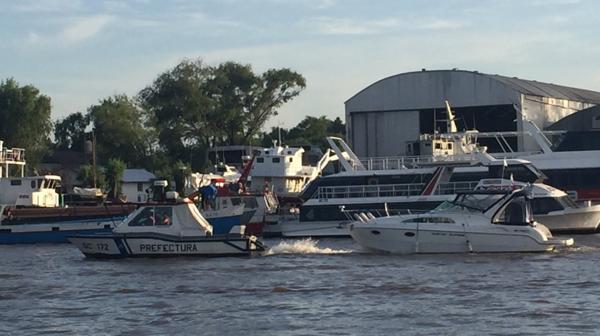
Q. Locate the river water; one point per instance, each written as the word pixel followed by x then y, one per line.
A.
pixel 302 287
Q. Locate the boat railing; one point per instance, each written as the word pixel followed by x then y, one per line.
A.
pixel 12 155
pixel 390 190
pixel 364 215
pixel 451 188
pixel 403 162
pixel 375 190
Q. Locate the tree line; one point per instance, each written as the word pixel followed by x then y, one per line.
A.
pixel 169 124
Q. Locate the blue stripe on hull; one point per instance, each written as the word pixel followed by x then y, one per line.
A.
pixel 222 225
pixel 44 237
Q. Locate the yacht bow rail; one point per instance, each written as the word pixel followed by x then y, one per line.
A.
pixel 364 215
pixel 391 190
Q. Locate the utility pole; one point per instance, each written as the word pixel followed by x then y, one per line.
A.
pixel 94 157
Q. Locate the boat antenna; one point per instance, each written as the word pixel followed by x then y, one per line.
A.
pixel 279 131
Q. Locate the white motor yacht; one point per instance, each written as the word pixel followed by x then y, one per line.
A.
pixel 478 221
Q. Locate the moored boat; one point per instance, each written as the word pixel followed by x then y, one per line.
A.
pixel 553 207
pixel 165 230
pixel 478 221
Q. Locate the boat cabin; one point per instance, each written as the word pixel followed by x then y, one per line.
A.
pixel 31 191
pixel 280 170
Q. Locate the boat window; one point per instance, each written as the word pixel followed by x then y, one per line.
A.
pixel 163 216
pixel 291 159
pixel 428 220
pixel 153 216
pixel 450 146
pixel 517 212
pixel 544 205
pixel 568 202
pixel 471 202
pixel 250 202
pixel 33 184
pixel 276 160
pixel 15 182
pixel 260 160
pixel 236 201
pixel 144 218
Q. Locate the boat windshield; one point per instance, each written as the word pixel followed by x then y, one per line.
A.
pixel 471 202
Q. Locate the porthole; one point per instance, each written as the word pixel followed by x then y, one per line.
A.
pixel 375 232
pixel 409 234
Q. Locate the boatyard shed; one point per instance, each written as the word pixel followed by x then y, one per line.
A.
pixel 386 118
pixel 582 130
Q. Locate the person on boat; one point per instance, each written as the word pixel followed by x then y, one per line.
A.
pixel 165 219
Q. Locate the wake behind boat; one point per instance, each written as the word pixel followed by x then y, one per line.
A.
pixel 165 230
pixel 478 221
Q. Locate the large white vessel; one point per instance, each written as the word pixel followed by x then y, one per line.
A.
pixel 280 170
pixel 448 163
pixel 400 186
pixel 30 210
pixel 479 221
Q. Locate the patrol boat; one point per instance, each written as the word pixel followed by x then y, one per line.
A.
pixel 173 228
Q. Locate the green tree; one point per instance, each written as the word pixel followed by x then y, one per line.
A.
pixel 194 105
pixel 114 174
pixel 276 87
pixel 25 119
pixel 86 176
pixel 118 126
pixel 310 131
pixel 69 133
pixel 179 106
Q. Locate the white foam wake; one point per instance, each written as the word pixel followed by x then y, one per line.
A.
pixel 302 246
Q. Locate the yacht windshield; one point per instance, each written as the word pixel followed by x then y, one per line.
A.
pixel 471 202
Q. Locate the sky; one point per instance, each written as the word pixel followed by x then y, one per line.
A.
pixel 80 51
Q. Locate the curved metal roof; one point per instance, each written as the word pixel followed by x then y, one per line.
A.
pixel 524 86
pixel 579 121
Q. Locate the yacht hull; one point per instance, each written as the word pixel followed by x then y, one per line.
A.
pixel 579 220
pixel 408 240
pixel 158 245
pixel 53 231
pixel 297 229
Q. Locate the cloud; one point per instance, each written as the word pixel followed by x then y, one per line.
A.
pixel 345 26
pixel 46 5
pixel 435 24
pixel 84 28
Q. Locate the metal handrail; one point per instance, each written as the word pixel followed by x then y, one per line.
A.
pixel 13 155
pixel 391 190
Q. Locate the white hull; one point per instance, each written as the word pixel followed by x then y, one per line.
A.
pixel 452 240
pixel 572 220
pixel 297 229
pixel 119 246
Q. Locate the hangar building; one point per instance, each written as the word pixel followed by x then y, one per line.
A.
pixel 385 118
